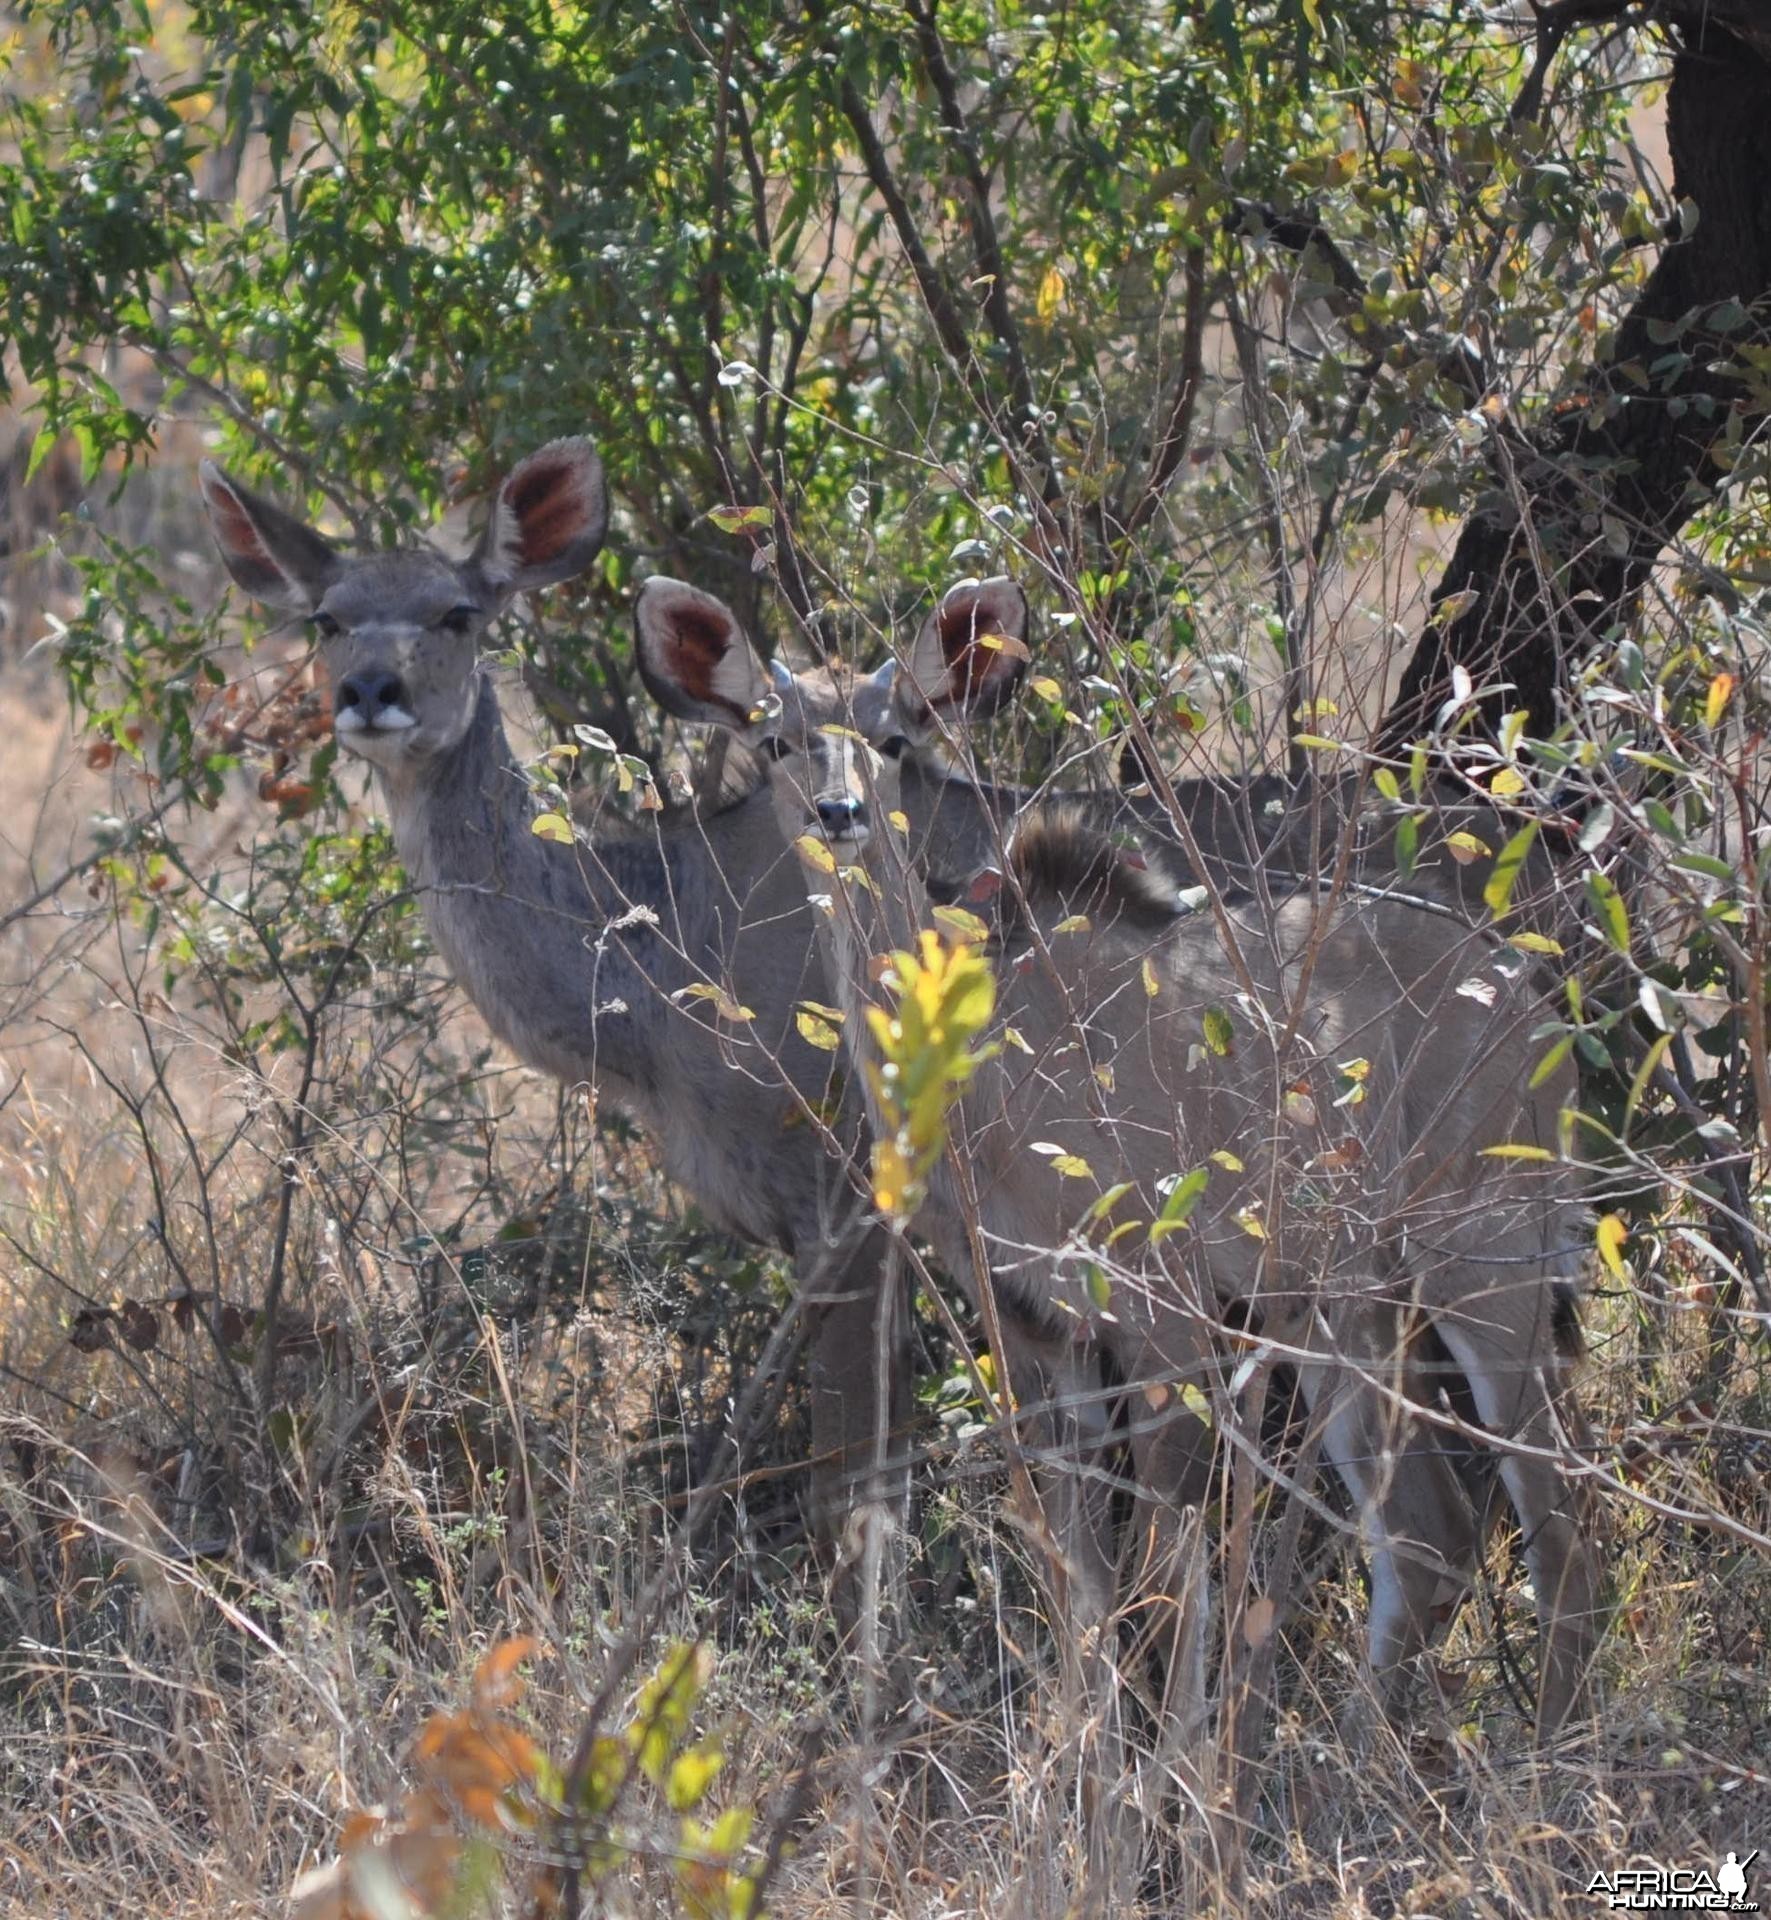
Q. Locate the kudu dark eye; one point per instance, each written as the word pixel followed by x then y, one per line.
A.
pixel 774 747
pixel 891 748
pixel 324 625
pixel 459 619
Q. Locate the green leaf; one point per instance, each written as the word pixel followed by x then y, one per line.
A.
pixel 1508 863
pixel 1178 1203
pixel 1607 903
pixel 741 519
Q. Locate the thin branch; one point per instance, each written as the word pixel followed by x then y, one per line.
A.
pixel 1177 435
pixel 937 296
pixel 986 245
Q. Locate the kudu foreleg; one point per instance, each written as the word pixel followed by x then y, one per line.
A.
pixel 858 1336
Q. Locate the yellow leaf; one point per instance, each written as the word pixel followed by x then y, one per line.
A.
pixel 1250 1223
pixel 1051 293
pixel 1610 1235
pixel 1506 782
pixel 1227 1160
pixel 1152 986
pixel 1071 1166
pixel 1465 847
pixel 1196 1402
pixel 1046 688
pixel 817 1032
pixel 1535 943
pixel 1075 923
pixel 552 826
pixel 1516 1150
pixel 1220 1033
pixel 1016 1039
pixel 900 820
pixel 814 853
pixel 1005 643
pixel 1317 742
pixel 1716 700
pixel 961 924
pixel 723 1004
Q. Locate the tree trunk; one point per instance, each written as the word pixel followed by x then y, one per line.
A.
pixel 1583 508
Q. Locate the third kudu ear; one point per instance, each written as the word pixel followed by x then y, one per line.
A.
pixel 274 556
pixel 969 656
pixel 694 658
pixel 548 519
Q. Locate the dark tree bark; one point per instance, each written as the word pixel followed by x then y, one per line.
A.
pixel 1582 509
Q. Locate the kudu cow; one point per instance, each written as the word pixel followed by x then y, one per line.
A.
pixel 578 956
pixel 1340 1070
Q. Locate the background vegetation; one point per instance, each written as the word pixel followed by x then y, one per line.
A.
pixel 1299 359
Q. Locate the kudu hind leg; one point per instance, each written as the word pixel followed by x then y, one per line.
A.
pixel 1416 1517
pixel 1504 1340
pixel 1172 1465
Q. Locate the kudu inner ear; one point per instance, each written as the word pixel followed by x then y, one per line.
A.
pixel 548 519
pixel 275 557
pixel 694 659
pixel 968 657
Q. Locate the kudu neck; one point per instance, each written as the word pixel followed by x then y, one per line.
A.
pixel 463 795
pixel 877 904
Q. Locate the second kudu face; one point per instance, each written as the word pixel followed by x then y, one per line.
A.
pixel 401 632
pixel 832 737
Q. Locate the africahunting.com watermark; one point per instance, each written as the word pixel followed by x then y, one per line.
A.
pixel 1721 1889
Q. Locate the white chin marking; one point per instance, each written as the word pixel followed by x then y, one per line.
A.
pixel 386 737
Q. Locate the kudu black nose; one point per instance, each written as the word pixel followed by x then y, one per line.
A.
pixel 840 814
pixel 370 693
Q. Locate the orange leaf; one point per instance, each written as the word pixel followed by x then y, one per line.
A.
pixel 496 1682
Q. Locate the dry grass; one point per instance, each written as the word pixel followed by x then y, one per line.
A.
pixel 502 1356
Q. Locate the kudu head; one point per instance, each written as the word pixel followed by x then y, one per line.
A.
pixel 400 632
pixel 832 738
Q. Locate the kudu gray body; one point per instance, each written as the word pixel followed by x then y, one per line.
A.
pixel 1263 831
pixel 1347 1063
pixel 577 955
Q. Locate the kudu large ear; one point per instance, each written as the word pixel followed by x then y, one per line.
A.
pixel 968 658
pixel 274 556
pixel 548 520
pixel 695 660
